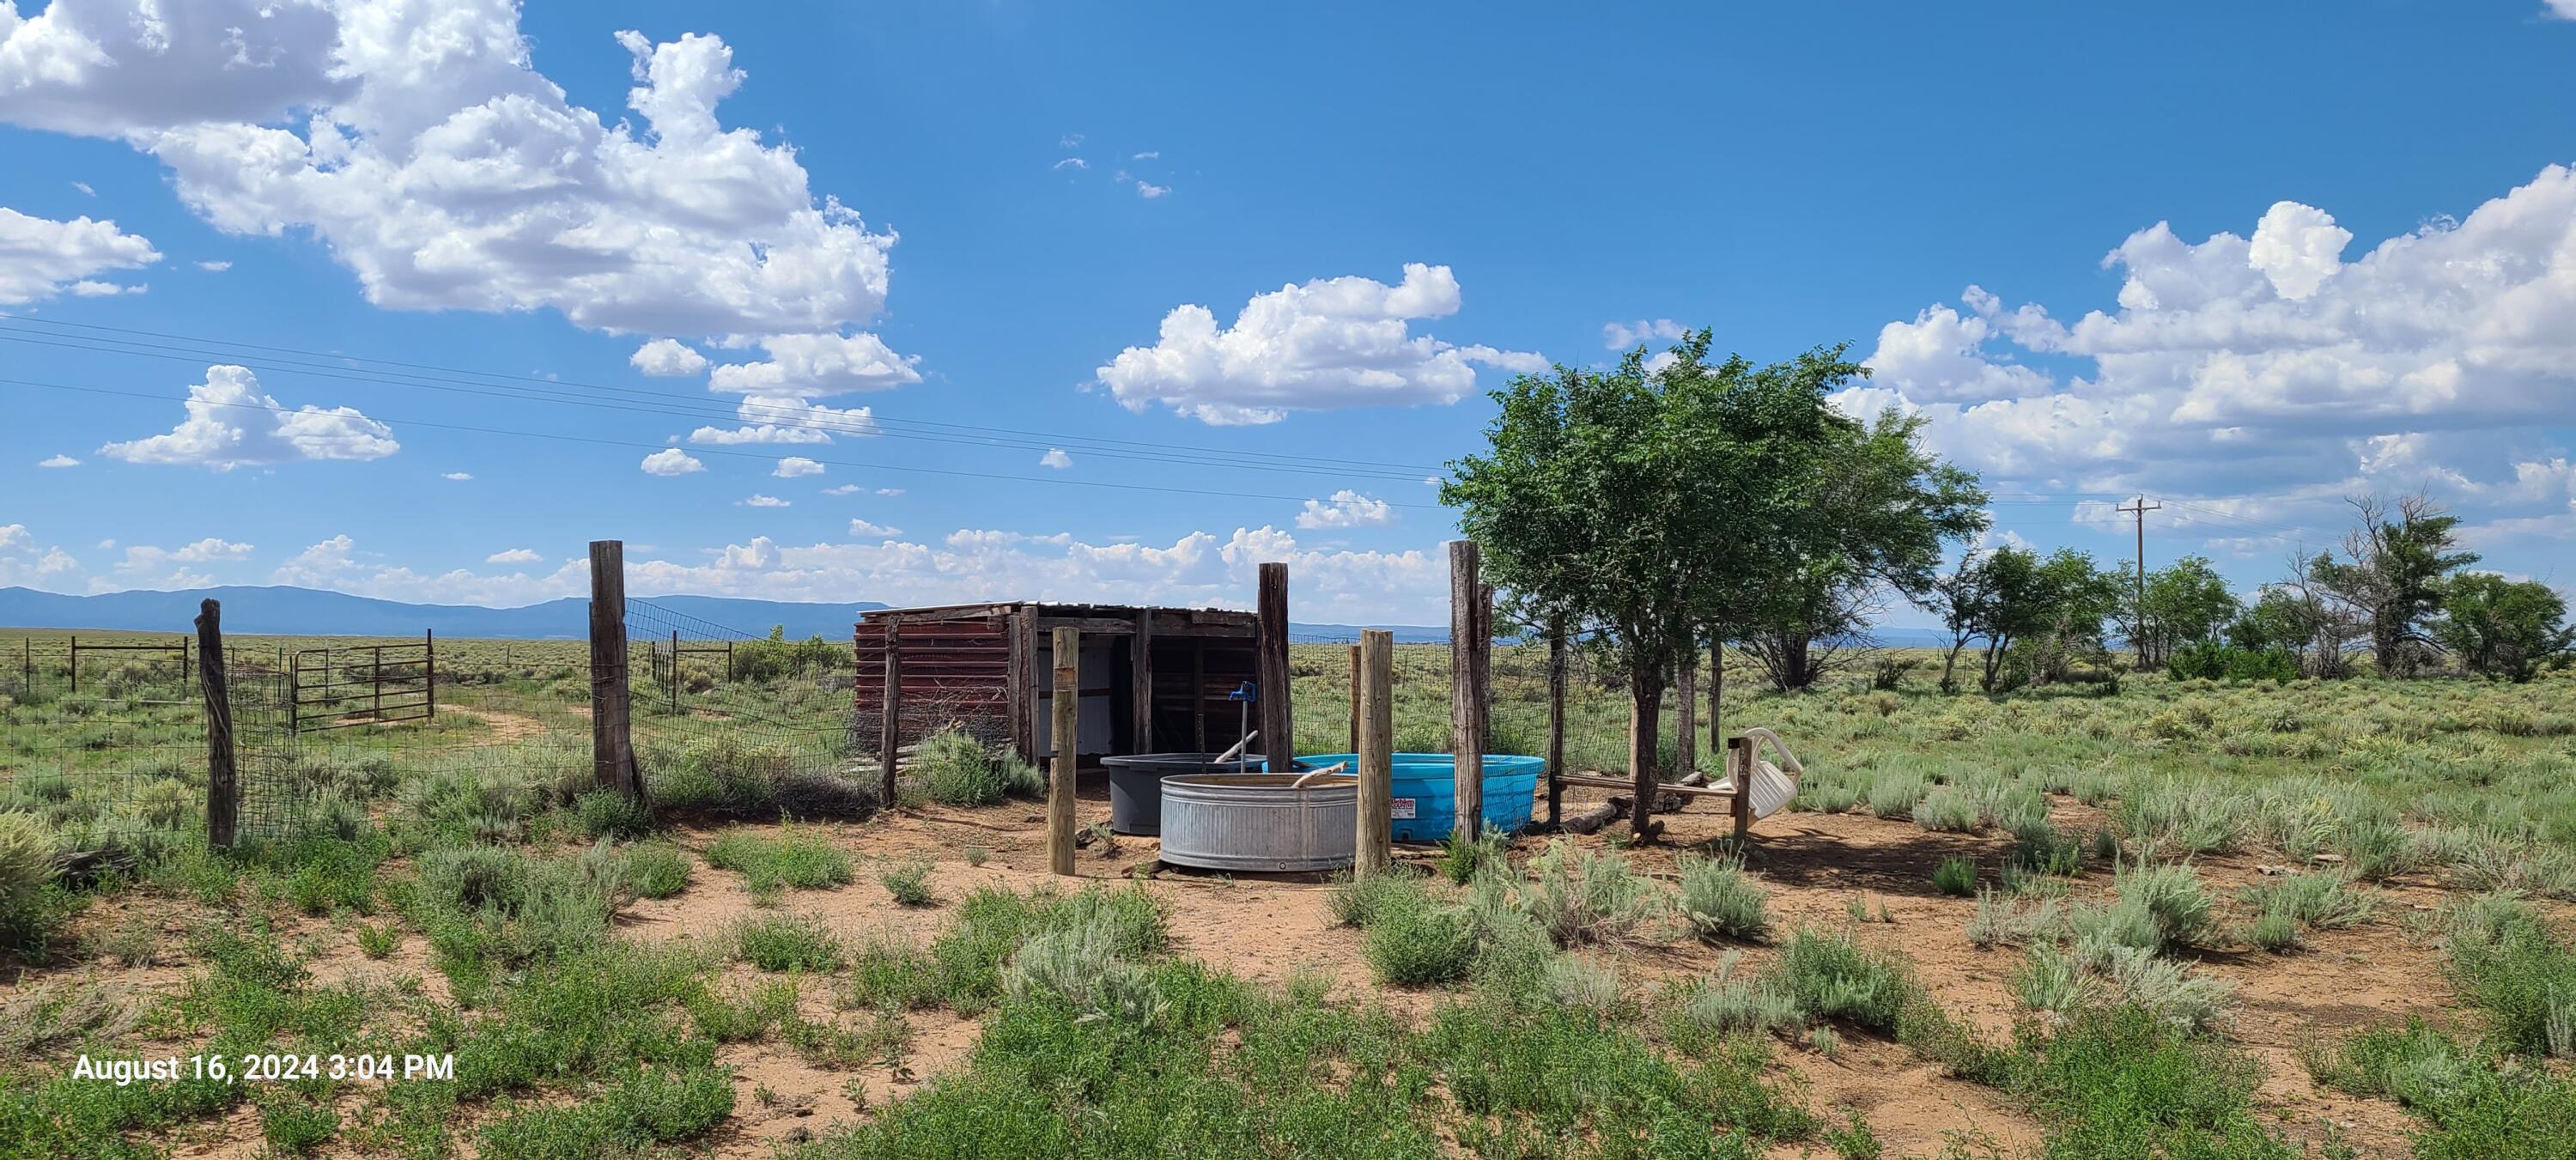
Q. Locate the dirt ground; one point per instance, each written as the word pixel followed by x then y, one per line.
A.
pixel 1265 927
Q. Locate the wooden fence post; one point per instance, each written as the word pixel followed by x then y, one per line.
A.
pixel 1355 692
pixel 1068 734
pixel 223 796
pixel 429 668
pixel 612 743
pixel 1555 722
pixel 1140 681
pixel 75 664
pixel 1278 722
pixel 890 726
pixel 675 672
pixel 1467 625
pixel 1374 719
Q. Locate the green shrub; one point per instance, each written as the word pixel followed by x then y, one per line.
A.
pixel 658 870
pixel 779 942
pixel 2119 1082
pixel 909 883
pixel 2172 898
pixel 295 1128
pixel 33 909
pixel 1720 900
pixel 1724 1004
pixel 956 770
pixel 2274 931
pixel 888 973
pixel 1955 876
pixel 1419 945
pixel 2049 980
pixel 1461 857
pixel 2212 661
pixel 1357 901
pixel 1832 977
pixel 1946 810
pixel 769 862
pixel 606 813
pixel 2324 900
pixel 1893 794
pixel 1587 897
pixel 2416 1065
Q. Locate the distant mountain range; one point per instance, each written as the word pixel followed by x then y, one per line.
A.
pixel 288 611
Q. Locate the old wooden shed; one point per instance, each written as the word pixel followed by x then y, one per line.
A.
pixel 1153 680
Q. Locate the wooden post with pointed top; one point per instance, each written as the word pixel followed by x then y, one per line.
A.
pixel 1067 704
pixel 223 796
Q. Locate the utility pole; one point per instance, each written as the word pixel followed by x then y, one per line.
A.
pixel 2139 508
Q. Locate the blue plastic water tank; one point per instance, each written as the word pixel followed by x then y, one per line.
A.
pixel 1424 789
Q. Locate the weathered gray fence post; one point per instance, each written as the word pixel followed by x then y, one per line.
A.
pixel 612 741
pixel 1470 625
pixel 223 791
pixel 1067 704
pixel 1374 721
pixel 1270 672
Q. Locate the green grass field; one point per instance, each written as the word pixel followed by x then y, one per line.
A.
pixel 448 890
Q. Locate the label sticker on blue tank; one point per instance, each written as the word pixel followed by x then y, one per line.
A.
pixel 1400 808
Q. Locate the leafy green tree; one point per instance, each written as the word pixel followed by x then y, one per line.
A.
pixel 2297 619
pixel 1880 508
pixel 1645 507
pixel 2391 571
pixel 2503 628
pixel 2054 620
pixel 2187 602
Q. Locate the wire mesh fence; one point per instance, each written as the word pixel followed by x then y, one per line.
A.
pixel 102 735
pixel 727 720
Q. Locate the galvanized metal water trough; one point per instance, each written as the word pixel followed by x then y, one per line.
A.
pixel 1136 783
pixel 1259 821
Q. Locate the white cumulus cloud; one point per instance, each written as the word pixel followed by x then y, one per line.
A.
pixel 817 364
pixel 1623 335
pixel 859 527
pixel 418 143
pixel 40 258
pixel 1348 509
pixel 786 419
pixel 2271 365
pixel 667 357
pixel 58 461
pixel 1055 458
pixel 796 465
pixel 764 501
pixel 672 461
pixel 1330 343
pixel 232 423
pixel 513 556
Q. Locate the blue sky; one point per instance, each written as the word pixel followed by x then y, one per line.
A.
pixel 2246 260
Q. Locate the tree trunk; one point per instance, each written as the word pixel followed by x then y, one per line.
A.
pixel 1645 711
